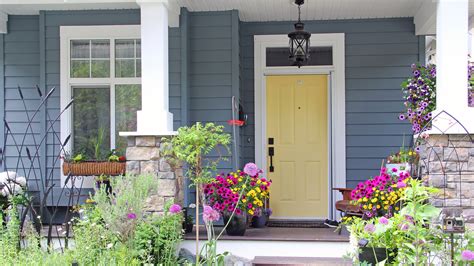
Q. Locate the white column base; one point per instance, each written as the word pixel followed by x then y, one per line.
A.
pixel 159 123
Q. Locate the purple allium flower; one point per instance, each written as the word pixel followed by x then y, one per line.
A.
pixel 383 220
pixel 175 208
pixel 404 227
pixel 131 216
pixel 401 184
pixel 467 255
pixel 370 228
pixel 251 169
pixel 210 215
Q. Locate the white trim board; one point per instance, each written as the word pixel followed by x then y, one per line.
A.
pixel 68 33
pixel 337 119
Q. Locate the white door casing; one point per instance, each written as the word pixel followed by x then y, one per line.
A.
pixel 336 103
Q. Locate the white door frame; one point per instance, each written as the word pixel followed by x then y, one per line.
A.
pixel 336 103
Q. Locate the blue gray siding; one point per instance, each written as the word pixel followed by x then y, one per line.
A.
pixel 20 67
pixel 378 55
pixel 213 78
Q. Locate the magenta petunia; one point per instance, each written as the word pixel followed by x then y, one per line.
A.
pixel 401 184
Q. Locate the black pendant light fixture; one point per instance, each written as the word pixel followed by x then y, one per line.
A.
pixel 299 41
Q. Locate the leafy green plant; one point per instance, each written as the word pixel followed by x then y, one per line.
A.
pixel 190 146
pixel 98 144
pixel 157 238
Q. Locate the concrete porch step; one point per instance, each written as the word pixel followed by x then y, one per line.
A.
pixel 290 261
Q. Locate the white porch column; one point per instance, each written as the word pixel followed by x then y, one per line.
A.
pixel 451 57
pixel 154 118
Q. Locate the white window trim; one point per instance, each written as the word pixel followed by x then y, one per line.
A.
pixel 68 33
pixel 337 119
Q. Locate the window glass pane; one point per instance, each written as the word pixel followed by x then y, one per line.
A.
pixel 127 102
pixel 139 67
pixel 80 68
pixel 100 68
pixel 124 48
pixel 91 121
pixel 139 48
pixel 80 49
pixel 125 68
pixel 100 49
pixel 318 56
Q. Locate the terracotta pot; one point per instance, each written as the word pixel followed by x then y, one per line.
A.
pixel 94 168
pixel 237 225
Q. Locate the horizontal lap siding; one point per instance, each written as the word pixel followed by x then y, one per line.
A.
pixel 210 71
pixel 378 54
pixel 21 68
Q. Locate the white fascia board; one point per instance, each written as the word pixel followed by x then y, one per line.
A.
pixel 3 22
pixel 425 18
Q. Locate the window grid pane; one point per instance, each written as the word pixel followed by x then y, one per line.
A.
pixel 127 103
pixel 90 59
pixel 127 53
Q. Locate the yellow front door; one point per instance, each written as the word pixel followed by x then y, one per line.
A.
pixel 297 131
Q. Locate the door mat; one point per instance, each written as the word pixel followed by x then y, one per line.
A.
pixel 296 224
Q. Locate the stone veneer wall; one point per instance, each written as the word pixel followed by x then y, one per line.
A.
pixel 448 164
pixel 144 157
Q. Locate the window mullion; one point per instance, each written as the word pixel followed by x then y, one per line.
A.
pixel 112 116
pixel 90 58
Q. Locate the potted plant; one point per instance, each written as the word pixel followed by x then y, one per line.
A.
pixel 79 165
pixel 238 195
pixel 188 222
pixel 260 220
pixel 402 160
pixel 375 239
pixel 379 196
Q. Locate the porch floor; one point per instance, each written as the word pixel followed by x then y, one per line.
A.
pixel 279 234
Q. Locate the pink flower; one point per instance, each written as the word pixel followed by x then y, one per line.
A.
pixel 401 184
pixel 467 255
pixel 404 227
pixel 175 208
pixel 383 220
pixel 210 215
pixel 131 216
pixel 251 169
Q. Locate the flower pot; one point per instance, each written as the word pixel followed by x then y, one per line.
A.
pixel 405 167
pixel 93 168
pixel 237 225
pixel 188 228
pixel 374 255
pixel 259 221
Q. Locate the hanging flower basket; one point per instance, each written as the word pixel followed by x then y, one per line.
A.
pixel 94 168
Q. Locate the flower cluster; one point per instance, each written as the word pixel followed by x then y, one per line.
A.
pixel 11 184
pixel 224 191
pixel 379 196
pixel 420 97
pixel 403 156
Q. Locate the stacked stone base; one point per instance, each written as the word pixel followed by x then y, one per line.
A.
pixel 448 164
pixel 144 157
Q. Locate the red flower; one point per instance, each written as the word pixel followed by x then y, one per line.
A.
pixel 122 159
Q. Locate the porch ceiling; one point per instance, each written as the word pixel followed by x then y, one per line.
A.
pixel 249 10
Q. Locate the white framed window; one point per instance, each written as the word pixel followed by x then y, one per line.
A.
pixel 101 71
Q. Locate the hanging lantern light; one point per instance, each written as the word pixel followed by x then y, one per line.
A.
pixel 299 41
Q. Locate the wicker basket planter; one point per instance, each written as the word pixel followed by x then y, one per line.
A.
pixel 94 168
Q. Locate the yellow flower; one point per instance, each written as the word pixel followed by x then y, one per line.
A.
pixel 251 212
pixel 365 207
pixel 258 189
pixel 240 179
pixel 374 200
pixel 260 204
pixel 364 199
pixel 396 208
pixel 244 186
pixel 378 206
pixel 244 200
pixel 259 182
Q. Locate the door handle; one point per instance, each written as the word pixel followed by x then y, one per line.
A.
pixel 271 153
